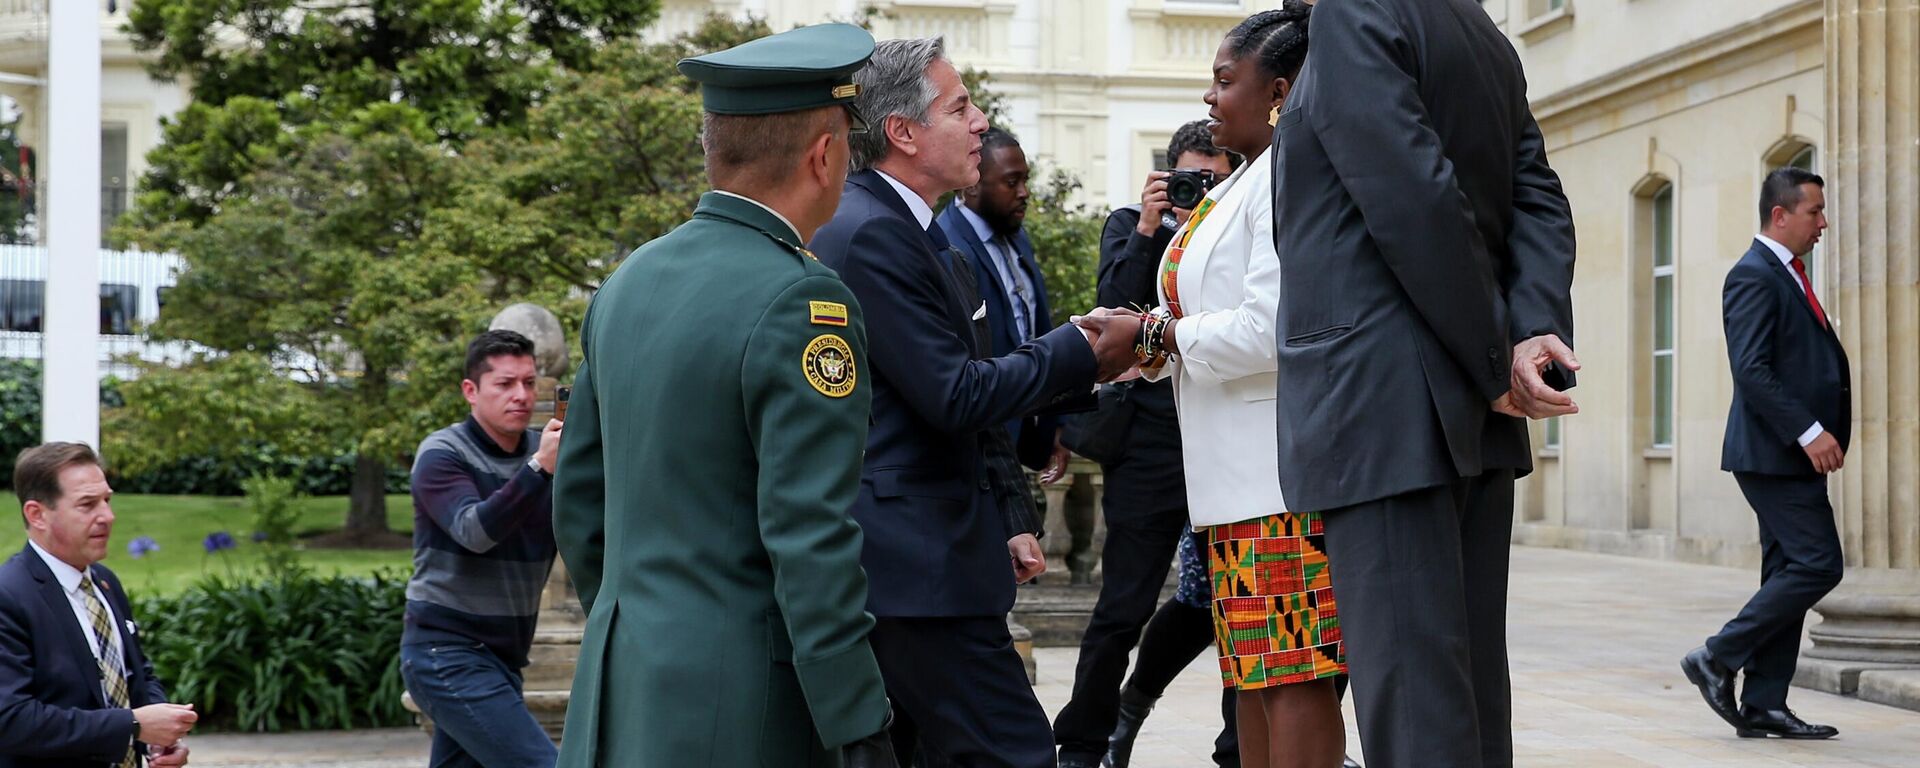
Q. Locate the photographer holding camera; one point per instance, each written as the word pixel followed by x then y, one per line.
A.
pixel 1136 439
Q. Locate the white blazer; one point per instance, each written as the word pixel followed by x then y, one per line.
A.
pixel 1225 373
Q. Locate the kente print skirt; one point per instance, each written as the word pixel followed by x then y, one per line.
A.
pixel 1273 613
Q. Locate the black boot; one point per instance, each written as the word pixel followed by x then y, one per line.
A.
pixel 1134 708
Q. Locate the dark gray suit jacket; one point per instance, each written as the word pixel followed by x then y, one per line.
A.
pixel 1789 370
pixel 1421 235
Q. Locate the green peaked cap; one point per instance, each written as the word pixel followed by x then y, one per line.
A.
pixel 798 69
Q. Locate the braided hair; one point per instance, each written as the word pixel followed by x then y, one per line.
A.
pixel 1276 39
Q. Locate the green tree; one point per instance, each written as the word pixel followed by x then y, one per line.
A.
pixel 464 64
pixel 610 160
pixel 364 245
pixel 298 181
pixel 320 272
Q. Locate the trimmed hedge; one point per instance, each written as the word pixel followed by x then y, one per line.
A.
pixel 296 652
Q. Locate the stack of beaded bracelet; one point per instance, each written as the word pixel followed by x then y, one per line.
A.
pixel 1151 347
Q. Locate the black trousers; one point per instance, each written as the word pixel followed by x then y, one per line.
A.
pixel 1421 583
pixel 960 694
pixel 1176 635
pixel 1800 562
pixel 1145 508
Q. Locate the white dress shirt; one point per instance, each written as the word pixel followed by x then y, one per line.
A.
pixel 1786 259
pixel 1013 279
pixel 921 211
pixel 69 578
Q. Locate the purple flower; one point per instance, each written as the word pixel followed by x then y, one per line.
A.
pixel 216 541
pixel 141 546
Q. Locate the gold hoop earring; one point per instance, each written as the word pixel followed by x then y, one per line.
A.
pixel 1273 118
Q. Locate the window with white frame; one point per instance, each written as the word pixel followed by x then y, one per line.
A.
pixel 1662 250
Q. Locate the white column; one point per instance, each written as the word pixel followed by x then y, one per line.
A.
pixel 70 391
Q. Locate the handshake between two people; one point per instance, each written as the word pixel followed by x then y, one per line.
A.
pixel 1114 334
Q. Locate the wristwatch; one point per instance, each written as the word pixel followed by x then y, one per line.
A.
pixel 534 464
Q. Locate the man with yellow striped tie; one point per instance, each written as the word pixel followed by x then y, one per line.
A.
pixel 75 690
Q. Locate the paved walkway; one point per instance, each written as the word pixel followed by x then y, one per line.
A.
pixel 1596 643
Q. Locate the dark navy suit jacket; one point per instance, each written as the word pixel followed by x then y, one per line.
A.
pixel 935 542
pixel 1032 435
pixel 52 711
pixel 1788 370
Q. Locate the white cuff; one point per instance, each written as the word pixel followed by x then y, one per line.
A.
pixel 1813 433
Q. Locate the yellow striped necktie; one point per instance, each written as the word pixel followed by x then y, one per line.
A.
pixel 113 672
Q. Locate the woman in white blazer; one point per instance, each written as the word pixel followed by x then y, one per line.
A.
pixel 1274 616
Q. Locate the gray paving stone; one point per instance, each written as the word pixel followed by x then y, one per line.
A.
pixel 1595 644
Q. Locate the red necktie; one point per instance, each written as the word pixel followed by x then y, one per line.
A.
pixel 1800 267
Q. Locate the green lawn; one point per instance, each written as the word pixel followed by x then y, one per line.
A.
pixel 180 523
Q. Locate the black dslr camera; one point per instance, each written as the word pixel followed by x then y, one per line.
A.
pixel 1186 187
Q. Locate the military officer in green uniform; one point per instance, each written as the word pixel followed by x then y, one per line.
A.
pixel 713 448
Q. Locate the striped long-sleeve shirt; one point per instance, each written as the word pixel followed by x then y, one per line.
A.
pixel 483 542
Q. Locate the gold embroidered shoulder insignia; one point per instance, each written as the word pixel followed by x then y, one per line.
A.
pixel 828 365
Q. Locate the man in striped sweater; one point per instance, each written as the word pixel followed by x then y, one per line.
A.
pixel 483 544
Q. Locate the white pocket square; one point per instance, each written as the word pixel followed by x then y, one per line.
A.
pixel 981 312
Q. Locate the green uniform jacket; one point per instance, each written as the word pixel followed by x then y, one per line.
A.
pixel 712 450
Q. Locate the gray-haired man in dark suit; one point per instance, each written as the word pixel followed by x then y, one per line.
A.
pixel 1426 258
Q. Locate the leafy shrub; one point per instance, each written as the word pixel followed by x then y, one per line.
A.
pixel 227 476
pixel 294 652
pixel 1066 242
pixel 270 500
pixel 20 409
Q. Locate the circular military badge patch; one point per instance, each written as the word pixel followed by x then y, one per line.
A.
pixel 828 363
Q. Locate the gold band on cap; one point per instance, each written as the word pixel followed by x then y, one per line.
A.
pixel 847 91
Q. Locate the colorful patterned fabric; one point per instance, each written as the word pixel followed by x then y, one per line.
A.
pixel 1274 617
pixel 1170 265
pixel 1195 589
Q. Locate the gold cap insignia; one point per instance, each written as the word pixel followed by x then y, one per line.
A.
pixel 828 364
pixel 847 91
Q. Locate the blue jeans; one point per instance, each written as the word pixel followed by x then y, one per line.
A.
pixel 480 717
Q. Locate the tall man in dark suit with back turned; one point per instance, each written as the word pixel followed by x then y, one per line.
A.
pixel 75 689
pixel 1426 257
pixel 1788 427
pixel 941 559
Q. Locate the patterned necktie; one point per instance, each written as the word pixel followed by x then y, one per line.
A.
pixel 1800 267
pixel 113 670
pixel 1022 319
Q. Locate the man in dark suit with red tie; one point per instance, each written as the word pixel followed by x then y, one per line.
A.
pixel 1787 429
pixel 75 689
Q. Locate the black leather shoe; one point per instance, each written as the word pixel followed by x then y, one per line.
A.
pixel 1761 723
pixel 1134 708
pixel 1348 762
pixel 1715 683
pixel 1079 762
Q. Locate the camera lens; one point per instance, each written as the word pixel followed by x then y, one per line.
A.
pixel 1185 189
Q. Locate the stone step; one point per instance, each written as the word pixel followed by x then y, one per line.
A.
pixel 1057 614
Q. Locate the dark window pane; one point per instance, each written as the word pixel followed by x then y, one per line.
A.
pixel 21 305
pixel 1663 400
pixel 1662 313
pixel 1663 226
pixel 119 307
